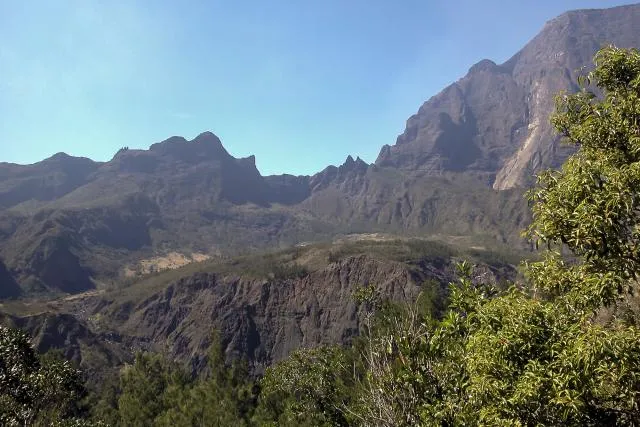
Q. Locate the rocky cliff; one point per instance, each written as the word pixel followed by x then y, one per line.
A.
pixel 262 317
pixel 493 123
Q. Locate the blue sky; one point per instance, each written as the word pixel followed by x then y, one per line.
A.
pixel 300 84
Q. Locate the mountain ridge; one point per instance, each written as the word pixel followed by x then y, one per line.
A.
pixel 458 170
pixel 506 153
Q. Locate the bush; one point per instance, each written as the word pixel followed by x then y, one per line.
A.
pixel 35 390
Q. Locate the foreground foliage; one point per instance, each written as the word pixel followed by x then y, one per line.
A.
pixel 156 392
pixel 36 391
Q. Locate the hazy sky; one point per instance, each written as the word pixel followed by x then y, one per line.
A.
pixel 300 84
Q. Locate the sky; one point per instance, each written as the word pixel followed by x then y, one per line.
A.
pixel 299 84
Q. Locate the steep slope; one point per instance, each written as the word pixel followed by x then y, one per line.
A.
pixel 264 320
pixel 44 181
pixel 99 355
pixel 9 288
pixel 493 123
pixel 192 196
pixel 178 195
pixel 362 198
pixel 262 316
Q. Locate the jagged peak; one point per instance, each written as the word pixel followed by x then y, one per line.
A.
pixel 353 165
pixel 483 66
pixel 248 161
pixel 206 144
pixel 349 164
pixel 207 137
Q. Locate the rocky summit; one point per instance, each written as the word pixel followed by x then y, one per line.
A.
pixel 494 122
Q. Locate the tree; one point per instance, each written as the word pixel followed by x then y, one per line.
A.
pixel 155 391
pixel 35 390
pixel 591 205
pixel 149 388
pixel 310 388
pixel 225 396
pixel 538 355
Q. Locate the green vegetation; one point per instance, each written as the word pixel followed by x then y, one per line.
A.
pixel 155 392
pixel 310 388
pixel 409 250
pixel 36 391
pixel 562 347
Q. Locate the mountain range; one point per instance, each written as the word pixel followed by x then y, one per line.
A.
pixel 70 225
pixel 457 171
pixel 85 235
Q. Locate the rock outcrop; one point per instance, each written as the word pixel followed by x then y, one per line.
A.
pixel 261 320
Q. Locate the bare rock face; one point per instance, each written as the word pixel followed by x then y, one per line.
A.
pixel 262 320
pixel 266 320
pixel 465 128
pixel 259 320
pixel 494 122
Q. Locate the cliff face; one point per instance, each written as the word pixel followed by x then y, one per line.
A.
pixel 259 319
pixel 192 196
pixel 264 320
pixel 493 124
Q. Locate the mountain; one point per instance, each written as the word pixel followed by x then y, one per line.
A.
pixel 68 221
pixel 194 197
pixel 457 173
pixel 83 243
pixel 493 124
pixel 44 181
